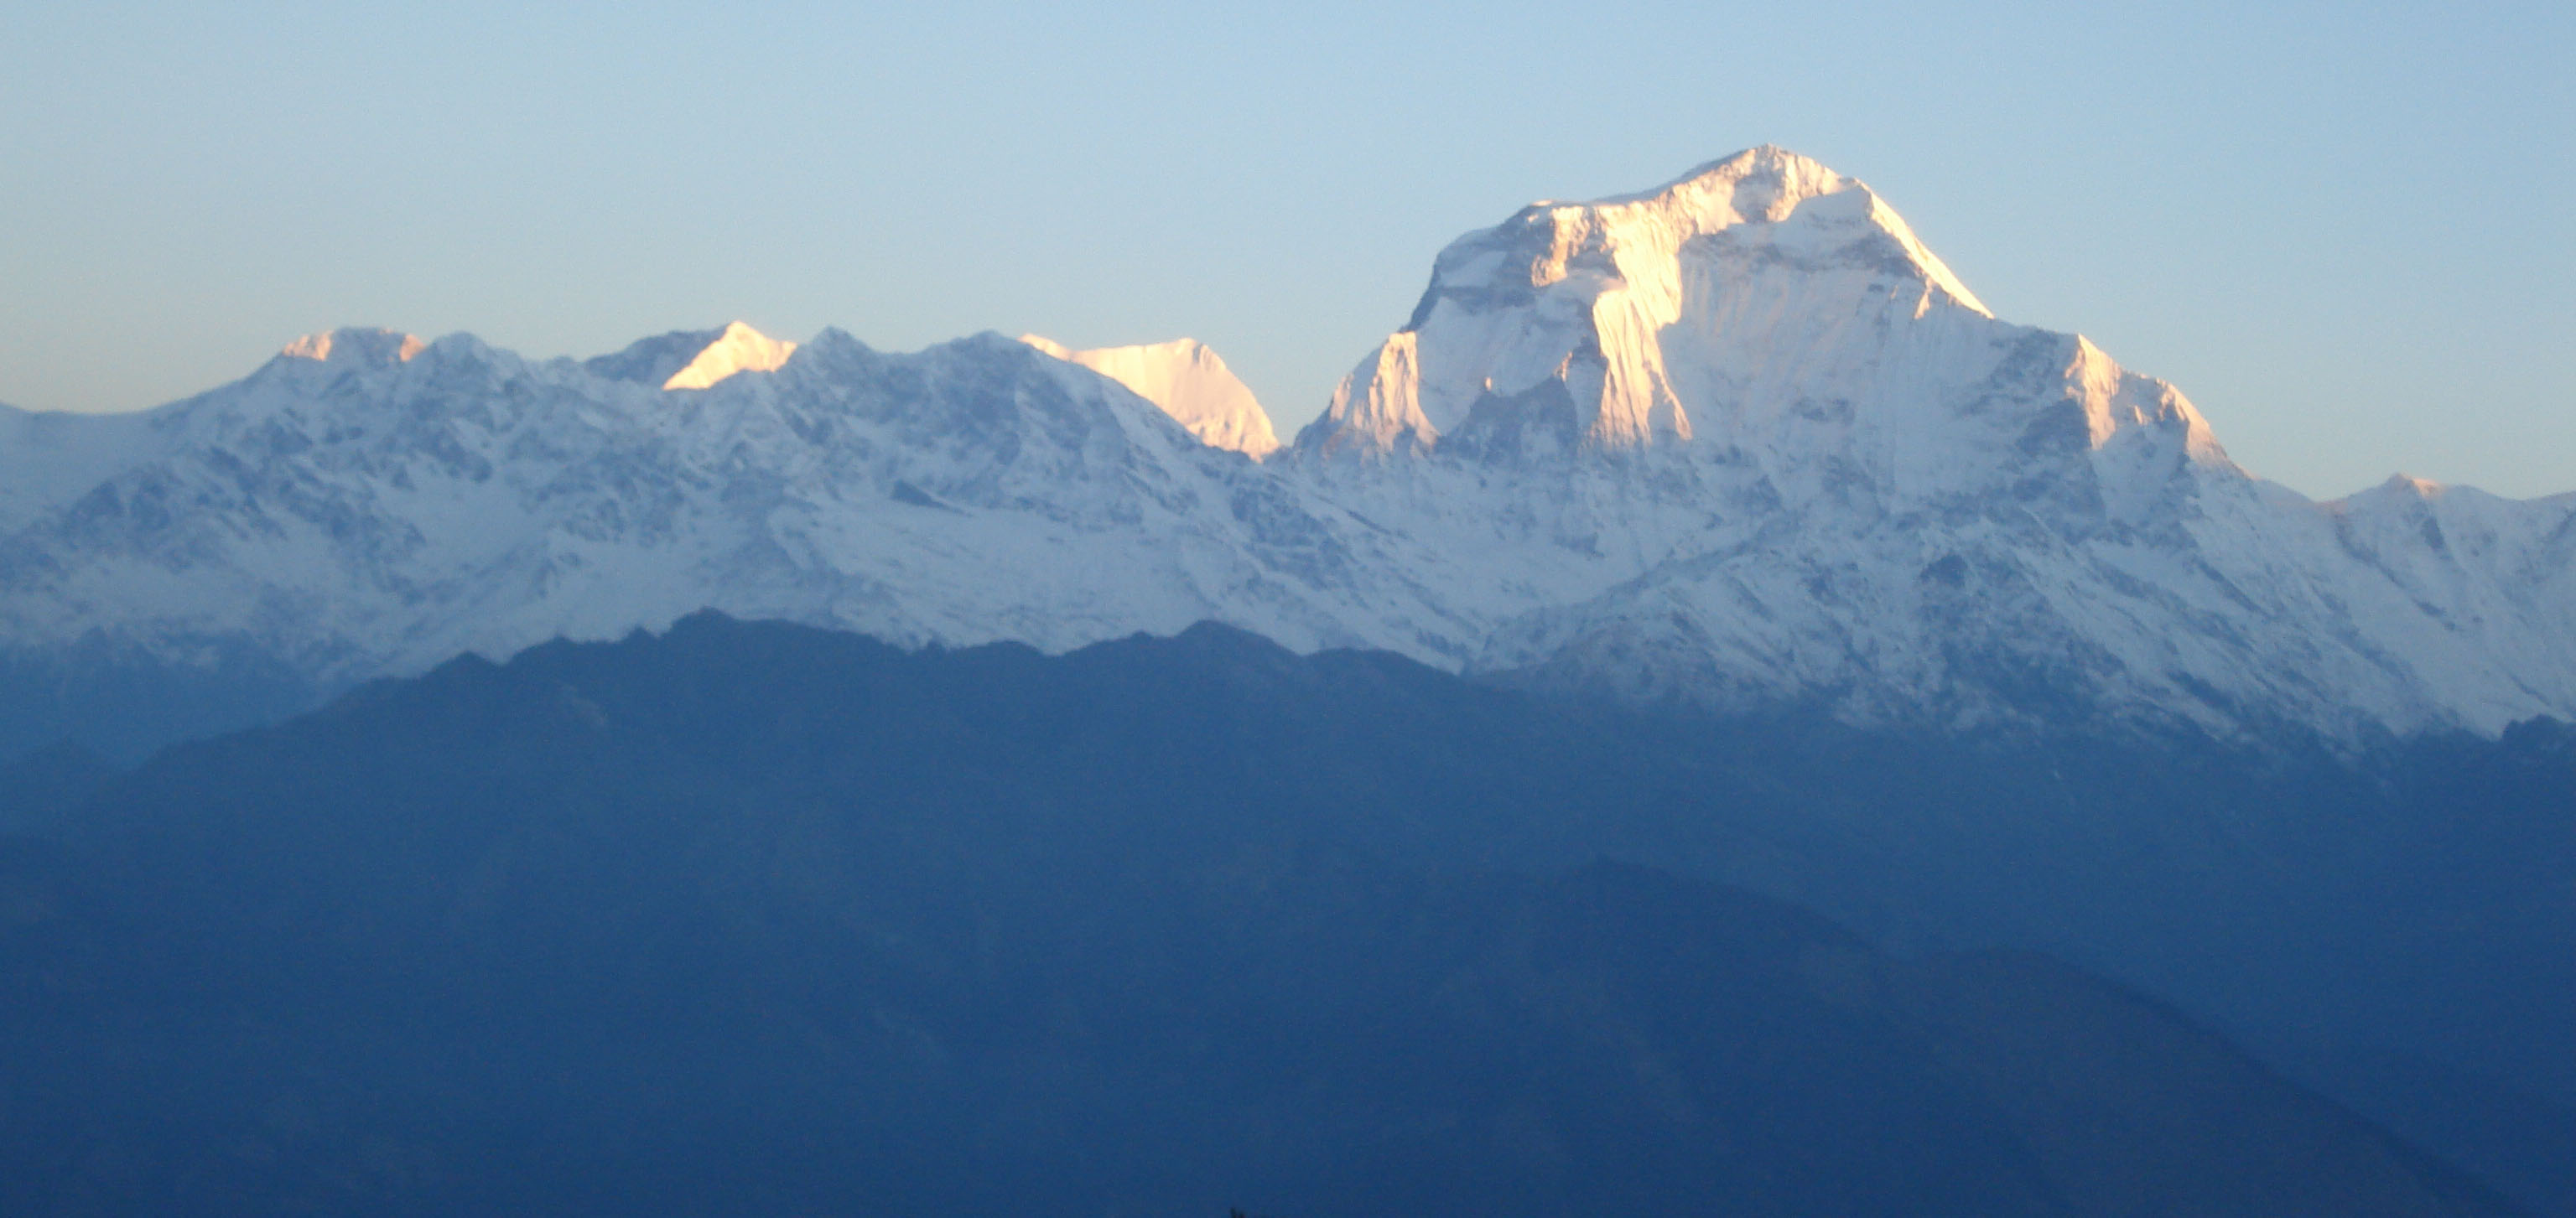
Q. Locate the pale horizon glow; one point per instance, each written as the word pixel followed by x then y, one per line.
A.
pixel 2335 231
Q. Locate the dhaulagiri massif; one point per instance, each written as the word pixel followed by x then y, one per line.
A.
pixel 1740 441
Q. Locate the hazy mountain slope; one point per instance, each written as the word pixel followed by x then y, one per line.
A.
pixel 754 917
pixel 50 457
pixel 37 790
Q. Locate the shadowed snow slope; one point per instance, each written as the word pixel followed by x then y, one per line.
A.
pixel 1741 440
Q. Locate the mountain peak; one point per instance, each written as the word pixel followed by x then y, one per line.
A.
pixel 1772 185
pixel 1552 327
pixel 693 359
pixel 737 348
pixel 1187 379
pixel 372 346
pixel 2411 484
pixel 2400 487
pixel 1763 184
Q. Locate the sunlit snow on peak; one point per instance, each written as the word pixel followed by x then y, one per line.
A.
pixel 374 346
pixel 1187 379
pixel 738 349
pixel 1772 185
pixel 1722 306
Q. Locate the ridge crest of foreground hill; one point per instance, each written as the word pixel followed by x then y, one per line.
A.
pixel 1741 442
pixel 760 911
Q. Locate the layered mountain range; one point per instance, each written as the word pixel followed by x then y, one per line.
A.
pixel 754 918
pixel 1741 441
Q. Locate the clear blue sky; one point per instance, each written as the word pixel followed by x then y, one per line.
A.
pixel 2343 229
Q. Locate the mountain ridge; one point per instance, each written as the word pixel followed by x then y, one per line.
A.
pixel 1740 441
pixel 755 888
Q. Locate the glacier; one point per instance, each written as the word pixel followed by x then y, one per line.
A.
pixel 1740 442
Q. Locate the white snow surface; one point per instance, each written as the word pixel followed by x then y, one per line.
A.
pixel 737 348
pixel 1189 382
pixel 1741 441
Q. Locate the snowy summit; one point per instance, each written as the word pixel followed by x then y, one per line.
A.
pixel 1189 382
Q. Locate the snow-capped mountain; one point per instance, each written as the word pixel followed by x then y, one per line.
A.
pixel 1799 459
pixel 691 359
pixel 1189 382
pixel 368 504
pixel 1740 440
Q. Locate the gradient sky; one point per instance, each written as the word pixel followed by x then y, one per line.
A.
pixel 2344 230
